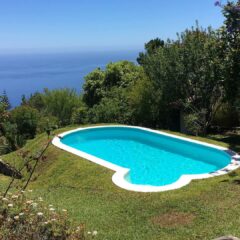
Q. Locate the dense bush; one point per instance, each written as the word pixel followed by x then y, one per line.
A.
pixel 107 92
pixel 26 119
pixel 60 103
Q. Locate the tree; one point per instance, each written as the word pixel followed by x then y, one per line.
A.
pixel 187 74
pixel 23 100
pixel 4 113
pixel 231 52
pixel 164 69
pixel 5 100
pixel 60 103
pixel 80 114
pixel 93 87
pixel 203 69
pixel 10 133
pixel 36 100
pixel 26 120
pixel 121 74
pixel 150 48
pixel 113 108
pixel 143 99
pixel 99 83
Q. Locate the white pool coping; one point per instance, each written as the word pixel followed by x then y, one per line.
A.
pixel 119 176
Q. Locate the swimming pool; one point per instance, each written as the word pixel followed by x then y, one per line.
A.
pixel 146 160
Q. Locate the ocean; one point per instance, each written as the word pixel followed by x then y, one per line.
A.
pixel 27 73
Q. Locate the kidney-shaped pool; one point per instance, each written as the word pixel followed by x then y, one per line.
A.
pixel 146 160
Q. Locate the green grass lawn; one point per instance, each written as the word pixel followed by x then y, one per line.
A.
pixel 204 209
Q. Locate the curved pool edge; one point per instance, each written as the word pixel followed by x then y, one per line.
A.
pixel 118 177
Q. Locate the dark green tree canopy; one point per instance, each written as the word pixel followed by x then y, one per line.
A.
pixel 150 48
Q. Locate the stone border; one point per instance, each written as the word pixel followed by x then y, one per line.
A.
pixel 119 177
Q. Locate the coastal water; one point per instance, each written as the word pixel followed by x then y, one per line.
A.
pixel 27 73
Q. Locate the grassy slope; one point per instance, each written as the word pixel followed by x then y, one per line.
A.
pixel 211 207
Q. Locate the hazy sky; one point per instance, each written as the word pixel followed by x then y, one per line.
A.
pixel 98 24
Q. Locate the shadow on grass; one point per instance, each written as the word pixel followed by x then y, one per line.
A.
pixel 233 140
pixel 236 181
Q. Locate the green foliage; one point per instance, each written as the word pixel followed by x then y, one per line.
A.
pixel 226 116
pixel 10 133
pixel 80 115
pixel 107 93
pixel 23 100
pixel 113 108
pixel 143 102
pixel 230 46
pixel 60 103
pixel 47 122
pixel 187 75
pixel 203 87
pixel 26 119
pixel 121 74
pixel 5 101
pixel 192 122
pixel 151 47
pixel 188 72
pixel 99 82
pixel 36 100
pixel 93 91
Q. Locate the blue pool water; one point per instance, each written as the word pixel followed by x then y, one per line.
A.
pixel 153 159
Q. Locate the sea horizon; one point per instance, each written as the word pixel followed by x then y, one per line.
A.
pixel 27 73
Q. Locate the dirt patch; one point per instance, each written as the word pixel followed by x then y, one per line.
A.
pixel 173 219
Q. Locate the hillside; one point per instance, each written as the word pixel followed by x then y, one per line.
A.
pixel 204 209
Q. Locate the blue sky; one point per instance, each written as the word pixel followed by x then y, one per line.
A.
pixel 32 25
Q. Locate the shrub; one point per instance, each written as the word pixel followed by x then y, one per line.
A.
pixel 79 115
pixel 26 119
pixel 22 217
pixel 47 122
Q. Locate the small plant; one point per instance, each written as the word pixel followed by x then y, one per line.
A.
pixel 22 217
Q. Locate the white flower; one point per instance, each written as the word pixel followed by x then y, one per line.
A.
pixel 64 210
pixel 94 233
pixel 14 196
pixel 16 217
pixel 21 214
pixel 29 202
pixel 45 223
pixel 22 191
pixel 30 190
pixel 34 204
pixel 50 205
pixel 52 209
pixel 40 214
pixel 5 199
pixel 89 233
pixel 40 199
pixel 54 219
pixel 10 205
